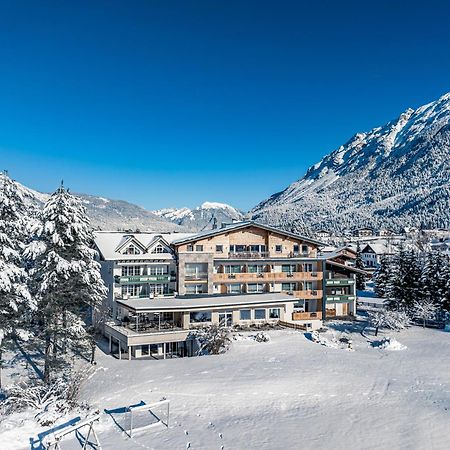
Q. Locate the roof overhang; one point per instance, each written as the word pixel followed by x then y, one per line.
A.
pixel 187 303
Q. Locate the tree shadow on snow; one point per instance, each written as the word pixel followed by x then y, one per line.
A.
pixel 355 326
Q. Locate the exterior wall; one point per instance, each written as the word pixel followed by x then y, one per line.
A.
pixel 194 257
pixel 251 236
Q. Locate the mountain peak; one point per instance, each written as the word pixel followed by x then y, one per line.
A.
pixel 393 175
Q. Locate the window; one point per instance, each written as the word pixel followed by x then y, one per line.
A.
pixel 132 250
pixel 131 290
pixel 288 287
pixel 238 248
pixel 233 269
pixel 195 288
pixel 308 267
pixel 196 271
pixel 219 248
pixel 158 270
pixel 288 268
pixel 305 249
pixel 260 314
pixel 199 248
pixel 159 289
pixel 245 314
pixel 190 248
pixel 129 271
pixel 234 288
pixel 278 248
pixel 255 268
pixel 296 248
pixel 299 306
pixel 274 313
pixel 159 249
pixel 255 287
pixel 200 316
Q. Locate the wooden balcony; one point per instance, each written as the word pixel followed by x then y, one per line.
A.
pixel 307 315
pixel 267 277
pixel 306 294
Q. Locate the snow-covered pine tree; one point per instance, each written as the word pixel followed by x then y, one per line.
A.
pixel 15 300
pixel 382 276
pixel 360 277
pixel 445 290
pixel 66 276
pixel 432 283
pixel 403 287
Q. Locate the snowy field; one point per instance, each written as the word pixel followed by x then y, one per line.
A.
pixel 287 393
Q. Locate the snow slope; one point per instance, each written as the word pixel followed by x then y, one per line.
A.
pixel 202 217
pixel 392 176
pixel 288 393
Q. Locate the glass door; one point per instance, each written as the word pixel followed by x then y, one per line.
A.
pixel 225 319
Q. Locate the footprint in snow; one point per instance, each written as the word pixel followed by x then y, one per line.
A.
pixel 188 445
pixel 220 435
pixel 186 432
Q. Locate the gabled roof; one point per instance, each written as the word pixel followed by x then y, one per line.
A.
pixel 343 266
pixel 245 224
pixel 109 243
pixel 158 239
pixel 126 240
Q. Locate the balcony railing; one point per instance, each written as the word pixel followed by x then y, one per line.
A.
pixel 306 294
pixel 268 276
pixel 306 315
pixel 196 276
pixel 339 281
pixel 248 255
pixel 340 298
pixel 166 278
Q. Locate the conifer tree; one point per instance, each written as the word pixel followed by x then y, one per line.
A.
pixel 404 282
pixel 66 276
pixel 15 299
pixel 360 277
pixel 382 277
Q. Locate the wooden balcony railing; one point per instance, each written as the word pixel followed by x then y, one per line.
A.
pixel 268 276
pixel 307 315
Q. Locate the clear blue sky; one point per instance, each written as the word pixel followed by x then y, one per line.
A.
pixel 170 103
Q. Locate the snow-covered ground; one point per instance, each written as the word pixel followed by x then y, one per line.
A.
pixel 288 393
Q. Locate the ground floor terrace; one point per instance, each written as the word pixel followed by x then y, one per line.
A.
pixel 159 328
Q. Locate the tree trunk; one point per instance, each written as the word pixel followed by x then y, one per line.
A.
pixel 48 357
pixel 376 331
pixel 1 367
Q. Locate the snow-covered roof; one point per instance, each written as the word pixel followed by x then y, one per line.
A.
pixel 379 248
pixel 110 243
pixel 187 302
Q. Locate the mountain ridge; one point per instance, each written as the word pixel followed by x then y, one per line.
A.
pixel 392 176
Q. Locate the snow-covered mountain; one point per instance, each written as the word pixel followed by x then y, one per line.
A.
pixel 392 176
pixel 203 217
pixel 109 214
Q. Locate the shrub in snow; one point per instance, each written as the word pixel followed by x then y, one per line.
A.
pixel 262 337
pixel 213 340
pixel 47 401
pixel 394 320
pixel 425 310
pixel 388 343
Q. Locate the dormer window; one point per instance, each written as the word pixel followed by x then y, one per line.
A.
pixel 159 249
pixel 132 250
